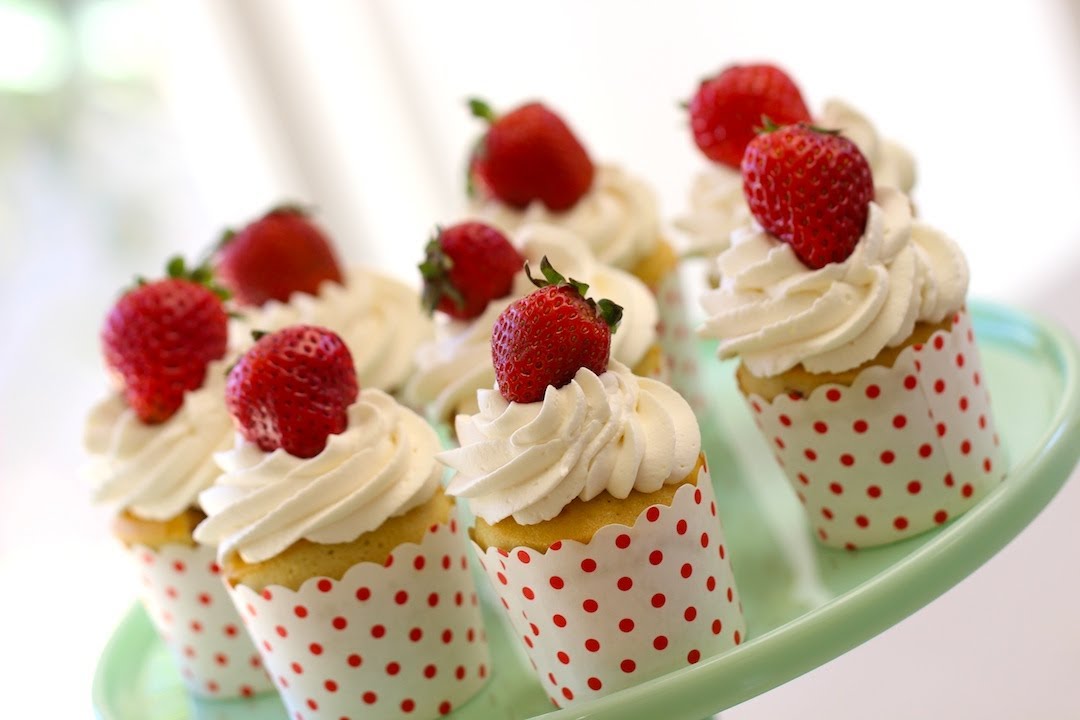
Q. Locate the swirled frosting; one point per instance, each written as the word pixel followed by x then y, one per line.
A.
pixel 775 313
pixel 891 164
pixel 615 432
pixel 157 471
pixel 717 206
pixel 457 363
pixel 382 466
pixel 617 217
pixel 378 317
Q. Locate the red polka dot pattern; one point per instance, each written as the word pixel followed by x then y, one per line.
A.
pixel 185 598
pixel 382 641
pixel 677 339
pixel 868 464
pixel 655 598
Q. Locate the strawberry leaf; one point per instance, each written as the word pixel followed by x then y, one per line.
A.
pixel 435 270
pixel 611 313
pixel 479 108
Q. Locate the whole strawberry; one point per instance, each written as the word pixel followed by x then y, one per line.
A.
pixel 727 109
pixel 467 266
pixel 280 253
pixel 292 390
pixel 810 188
pixel 546 337
pixel 529 154
pixel 159 338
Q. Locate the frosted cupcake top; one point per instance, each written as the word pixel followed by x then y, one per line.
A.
pixel 382 466
pixel 615 432
pixel 774 312
pixel 378 317
pixel 717 206
pixel 617 217
pixel 457 363
pixel 157 471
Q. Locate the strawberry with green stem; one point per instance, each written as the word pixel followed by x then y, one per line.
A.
pixel 528 154
pixel 726 110
pixel 546 337
pixel 160 336
pixel 466 266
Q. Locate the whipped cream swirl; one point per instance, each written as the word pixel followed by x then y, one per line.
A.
pixel 458 362
pixel 890 163
pixel 617 217
pixel 382 466
pixel 775 313
pixel 615 432
pixel 378 317
pixel 717 205
pixel 157 471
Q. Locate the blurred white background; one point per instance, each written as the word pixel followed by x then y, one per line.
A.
pixel 133 129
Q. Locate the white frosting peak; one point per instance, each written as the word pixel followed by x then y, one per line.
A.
pixel 615 432
pixel 157 471
pixel 382 466
pixel 617 217
pixel 774 312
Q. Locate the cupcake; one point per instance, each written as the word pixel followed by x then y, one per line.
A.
pixel 530 167
pixel 336 541
pixel 857 354
pixel 724 113
pixel 480 261
pixel 282 271
pixel 596 520
pixel 151 445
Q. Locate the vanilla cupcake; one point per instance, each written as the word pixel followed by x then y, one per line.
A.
pixel 596 520
pixel 740 96
pixel 457 363
pixel 857 355
pixel 151 447
pixel 336 541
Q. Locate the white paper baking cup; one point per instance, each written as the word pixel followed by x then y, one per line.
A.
pixel 182 591
pixel 632 604
pixel 903 450
pixel 404 639
pixel 677 339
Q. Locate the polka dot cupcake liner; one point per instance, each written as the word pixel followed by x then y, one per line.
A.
pixel 404 639
pixel 903 450
pixel 632 604
pixel 678 342
pixel 183 593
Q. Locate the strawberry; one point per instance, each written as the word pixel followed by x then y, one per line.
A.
pixel 546 337
pixel 727 108
pixel 280 253
pixel 292 390
pixel 810 188
pixel 529 154
pixel 160 336
pixel 467 266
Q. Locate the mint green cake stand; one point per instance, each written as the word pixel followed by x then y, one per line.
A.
pixel 804 604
